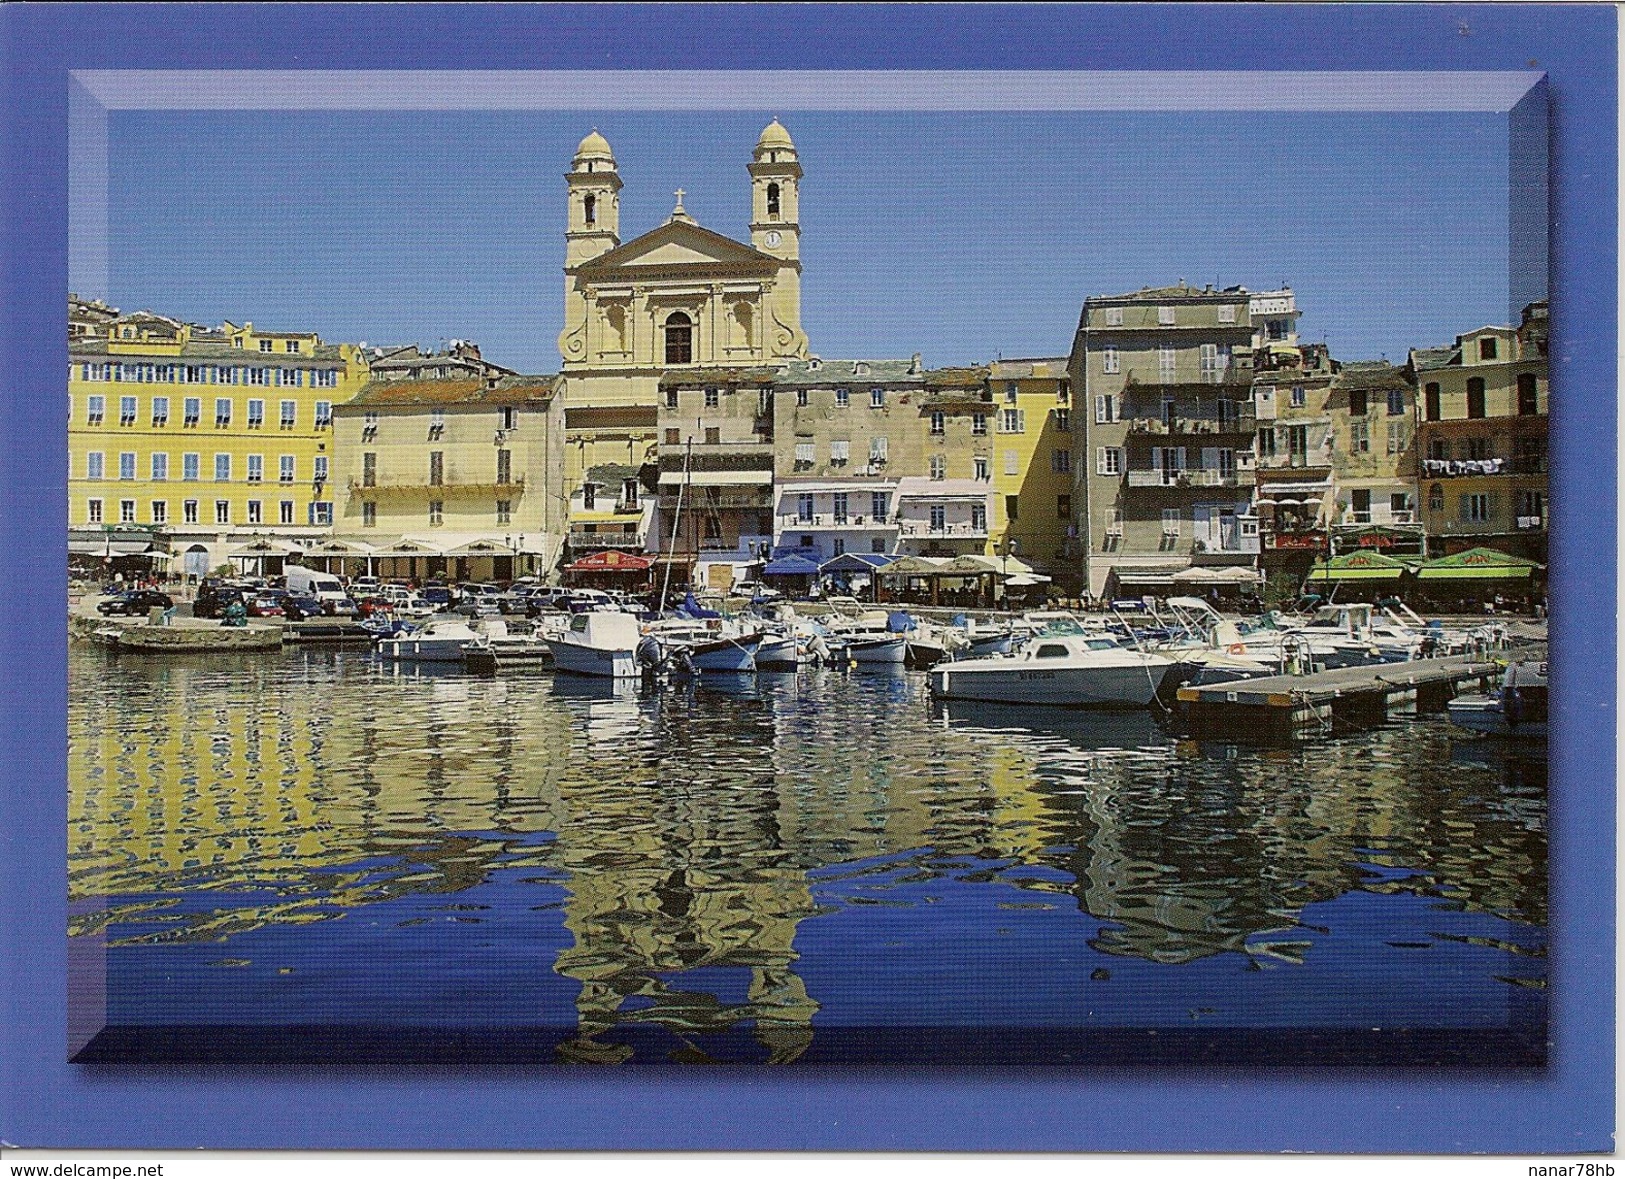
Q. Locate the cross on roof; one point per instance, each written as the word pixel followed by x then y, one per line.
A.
pixel 680 194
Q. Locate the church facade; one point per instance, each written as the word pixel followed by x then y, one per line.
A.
pixel 676 299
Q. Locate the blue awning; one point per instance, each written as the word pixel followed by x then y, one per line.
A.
pixel 856 563
pixel 792 566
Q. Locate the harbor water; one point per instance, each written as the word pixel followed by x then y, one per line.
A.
pixel 316 855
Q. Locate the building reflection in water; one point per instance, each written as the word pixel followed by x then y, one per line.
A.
pixel 212 798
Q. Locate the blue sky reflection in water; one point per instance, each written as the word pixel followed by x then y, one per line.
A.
pixel 813 868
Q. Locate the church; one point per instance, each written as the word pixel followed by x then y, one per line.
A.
pixel 679 298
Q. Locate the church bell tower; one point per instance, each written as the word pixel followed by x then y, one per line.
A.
pixel 594 224
pixel 775 177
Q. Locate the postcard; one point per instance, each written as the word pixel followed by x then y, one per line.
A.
pixel 988 563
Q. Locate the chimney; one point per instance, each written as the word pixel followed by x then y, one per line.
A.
pixel 914 366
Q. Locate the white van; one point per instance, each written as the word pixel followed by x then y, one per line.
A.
pixel 312 583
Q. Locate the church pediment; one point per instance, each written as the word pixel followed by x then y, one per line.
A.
pixel 676 244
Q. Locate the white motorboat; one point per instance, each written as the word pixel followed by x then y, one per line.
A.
pixel 866 639
pixel 496 644
pixel 708 644
pixel 598 643
pixel 1076 670
pixel 439 640
pixel 1351 635
pixel 1516 709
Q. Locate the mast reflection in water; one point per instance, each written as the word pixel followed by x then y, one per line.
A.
pixel 322 857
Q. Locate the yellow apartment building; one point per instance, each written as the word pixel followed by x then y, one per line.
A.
pixel 199 442
pixel 1482 438
pixel 456 477
pixel 1033 466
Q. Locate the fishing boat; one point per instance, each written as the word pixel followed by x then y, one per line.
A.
pixel 1076 670
pixel 439 640
pixel 1516 709
pixel 598 643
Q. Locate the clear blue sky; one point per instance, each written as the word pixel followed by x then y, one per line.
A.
pixel 958 235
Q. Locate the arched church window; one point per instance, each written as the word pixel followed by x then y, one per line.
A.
pixel 679 339
pixel 591 204
pixel 772 200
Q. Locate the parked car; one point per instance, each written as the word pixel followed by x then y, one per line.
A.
pixel 480 605
pixel 133 602
pixel 342 607
pixel 213 598
pixel 297 607
pixel 264 606
pixel 438 596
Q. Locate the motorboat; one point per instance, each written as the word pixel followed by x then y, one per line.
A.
pixel 1352 635
pixel 439 640
pixel 708 644
pixel 598 643
pixel 1076 670
pixel 866 639
pixel 1516 709
pixel 497 644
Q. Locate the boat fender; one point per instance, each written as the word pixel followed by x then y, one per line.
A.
pixel 1237 649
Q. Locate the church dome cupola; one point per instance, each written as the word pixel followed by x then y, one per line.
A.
pixel 594 150
pixel 775 144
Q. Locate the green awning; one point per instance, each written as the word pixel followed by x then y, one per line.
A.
pixel 1479 565
pixel 1362 566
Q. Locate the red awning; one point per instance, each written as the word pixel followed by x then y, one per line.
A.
pixel 611 561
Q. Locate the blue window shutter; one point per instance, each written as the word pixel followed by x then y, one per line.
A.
pixel 310 513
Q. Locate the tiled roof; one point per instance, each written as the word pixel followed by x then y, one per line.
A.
pixel 684 378
pixel 845 372
pixel 1369 374
pixel 955 378
pixel 1156 294
pixel 1007 370
pixel 1427 358
pixel 465 391
pixel 609 474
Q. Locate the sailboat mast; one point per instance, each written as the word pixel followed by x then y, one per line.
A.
pixel 676 522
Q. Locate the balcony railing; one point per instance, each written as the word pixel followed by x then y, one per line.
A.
pixel 1191 477
pixel 926 528
pixel 606 540
pixel 437 490
pixel 1243 421
pixel 1531 523
pixel 1457 468
pixel 831 520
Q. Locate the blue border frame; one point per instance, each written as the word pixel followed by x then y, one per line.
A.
pixel 1568 1108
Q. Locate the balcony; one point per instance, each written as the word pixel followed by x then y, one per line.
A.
pixel 706 498
pixel 958 530
pixel 606 540
pixel 436 490
pixel 1243 421
pixel 1191 477
pixel 793 520
pixel 1460 468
